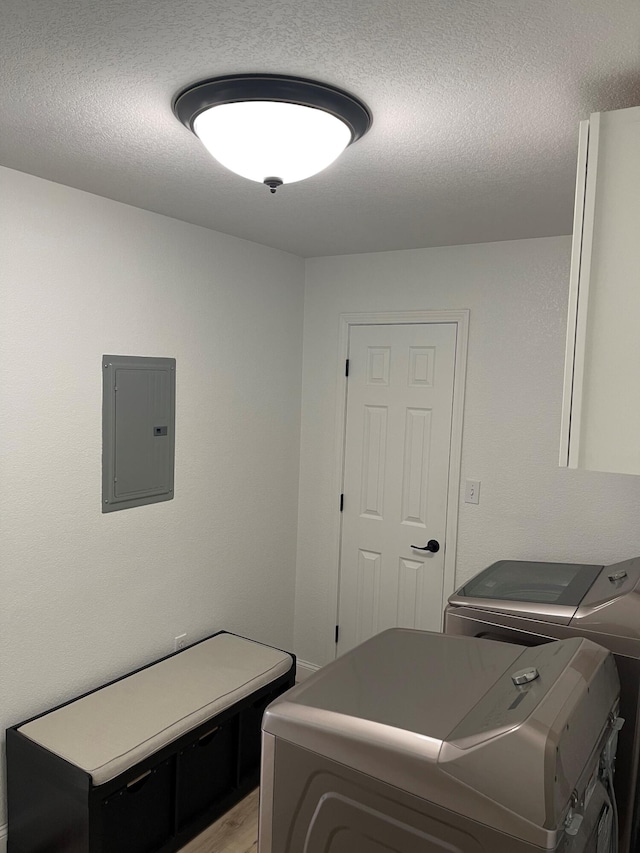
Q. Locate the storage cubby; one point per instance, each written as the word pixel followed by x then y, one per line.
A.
pixel 138 817
pixel 250 734
pixel 206 771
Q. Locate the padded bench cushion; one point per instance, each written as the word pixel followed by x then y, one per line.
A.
pixel 110 730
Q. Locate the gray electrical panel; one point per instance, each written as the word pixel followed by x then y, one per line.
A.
pixel 138 430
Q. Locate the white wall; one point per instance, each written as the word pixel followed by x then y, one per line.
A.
pixel 529 507
pixel 86 596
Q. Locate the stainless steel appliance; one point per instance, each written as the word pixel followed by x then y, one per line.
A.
pixel 533 602
pixel 416 742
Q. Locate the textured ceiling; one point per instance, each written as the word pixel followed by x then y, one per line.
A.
pixel 475 105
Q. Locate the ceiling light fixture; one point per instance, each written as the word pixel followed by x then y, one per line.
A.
pixel 272 128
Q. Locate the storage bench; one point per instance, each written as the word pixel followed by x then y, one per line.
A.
pixel 144 763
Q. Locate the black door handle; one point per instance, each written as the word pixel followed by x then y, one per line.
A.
pixel 432 545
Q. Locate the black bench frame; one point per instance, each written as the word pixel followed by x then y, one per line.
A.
pixel 149 808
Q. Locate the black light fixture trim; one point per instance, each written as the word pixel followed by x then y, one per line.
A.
pixel 232 88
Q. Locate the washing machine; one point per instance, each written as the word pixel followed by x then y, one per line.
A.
pixel 533 602
pixel 416 742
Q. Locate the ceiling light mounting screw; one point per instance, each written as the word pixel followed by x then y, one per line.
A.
pixel 273 183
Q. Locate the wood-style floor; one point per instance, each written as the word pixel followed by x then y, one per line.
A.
pixel 235 832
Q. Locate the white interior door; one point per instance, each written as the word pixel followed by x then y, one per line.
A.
pixel 396 472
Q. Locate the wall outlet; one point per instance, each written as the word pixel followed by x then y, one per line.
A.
pixel 179 642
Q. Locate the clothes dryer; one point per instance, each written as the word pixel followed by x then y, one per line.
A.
pixel 416 742
pixel 534 602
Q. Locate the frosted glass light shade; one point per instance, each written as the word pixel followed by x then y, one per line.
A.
pixel 268 139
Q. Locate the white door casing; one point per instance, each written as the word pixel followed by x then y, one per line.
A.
pixel 399 469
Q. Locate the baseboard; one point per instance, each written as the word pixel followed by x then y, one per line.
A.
pixel 3 838
pixel 303 670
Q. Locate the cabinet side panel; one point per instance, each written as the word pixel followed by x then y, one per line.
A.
pixel 47 800
pixel 610 426
pixel 569 443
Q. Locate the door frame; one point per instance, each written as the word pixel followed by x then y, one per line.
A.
pixel 460 318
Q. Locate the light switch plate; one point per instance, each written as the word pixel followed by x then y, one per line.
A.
pixel 472 492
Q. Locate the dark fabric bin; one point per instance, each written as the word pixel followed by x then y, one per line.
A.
pixel 206 771
pixel 251 733
pixel 138 818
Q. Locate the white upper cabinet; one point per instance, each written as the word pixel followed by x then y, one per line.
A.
pixel 601 404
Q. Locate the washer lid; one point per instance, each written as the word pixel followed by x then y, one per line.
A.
pixel 552 591
pixel 417 681
pixel 611 608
